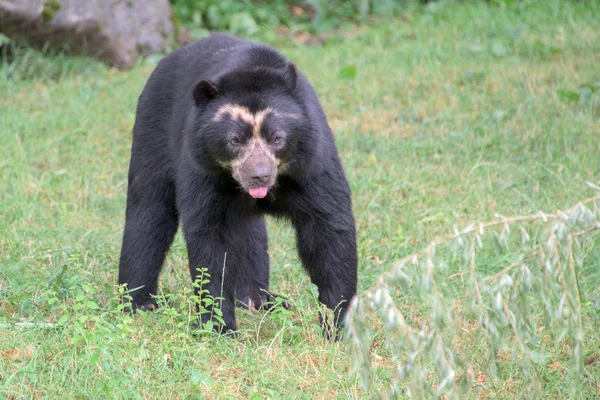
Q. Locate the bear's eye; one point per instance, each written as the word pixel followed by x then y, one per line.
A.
pixel 277 139
pixel 234 141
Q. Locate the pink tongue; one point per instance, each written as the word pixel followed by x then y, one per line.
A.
pixel 258 193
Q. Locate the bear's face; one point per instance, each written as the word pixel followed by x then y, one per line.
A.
pixel 253 138
pixel 257 144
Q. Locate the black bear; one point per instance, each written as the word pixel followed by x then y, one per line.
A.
pixel 227 131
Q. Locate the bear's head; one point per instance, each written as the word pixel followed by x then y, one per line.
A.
pixel 248 123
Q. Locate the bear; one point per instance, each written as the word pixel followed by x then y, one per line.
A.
pixel 226 132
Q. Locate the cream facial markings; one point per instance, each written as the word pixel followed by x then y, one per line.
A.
pixel 235 111
pixel 225 164
pixel 259 118
pixel 249 149
pixel 255 120
pixel 265 148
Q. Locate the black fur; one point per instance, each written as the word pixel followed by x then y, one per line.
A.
pixel 175 175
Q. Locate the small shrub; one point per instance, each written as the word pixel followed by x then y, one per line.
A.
pixel 508 289
pixel 244 17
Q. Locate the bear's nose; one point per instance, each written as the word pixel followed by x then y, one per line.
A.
pixel 261 175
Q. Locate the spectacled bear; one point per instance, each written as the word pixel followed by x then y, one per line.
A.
pixel 225 132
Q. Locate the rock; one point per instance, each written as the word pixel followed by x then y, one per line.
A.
pixel 115 31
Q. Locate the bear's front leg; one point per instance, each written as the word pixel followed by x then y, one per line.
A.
pixel 252 284
pixel 253 274
pixel 326 239
pixel 210 225
pixel 209 253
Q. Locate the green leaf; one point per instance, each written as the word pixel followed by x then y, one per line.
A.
pixel 348 72
pixel 50 8
pixel 92 305
pixel 94 357
pixel 318 328
pixel 313 290
pixel 243 24
pixel 209 325
pixel 59 281
pixel 101 384
pixel 198 377
pixel 77 339
pixel 567 95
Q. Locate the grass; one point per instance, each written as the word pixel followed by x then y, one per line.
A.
pixel 457 113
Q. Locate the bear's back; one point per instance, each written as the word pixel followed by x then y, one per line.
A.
pixel 219 54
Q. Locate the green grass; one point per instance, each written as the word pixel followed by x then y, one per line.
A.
pixel 458 112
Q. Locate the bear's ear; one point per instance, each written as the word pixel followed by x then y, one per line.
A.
pixel 205 90
pixel 291 75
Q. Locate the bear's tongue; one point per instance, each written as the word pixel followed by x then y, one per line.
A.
pixel 258 193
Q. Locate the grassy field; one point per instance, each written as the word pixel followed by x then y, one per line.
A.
pixel 457 113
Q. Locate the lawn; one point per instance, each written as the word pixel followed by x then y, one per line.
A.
pixel 445 115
